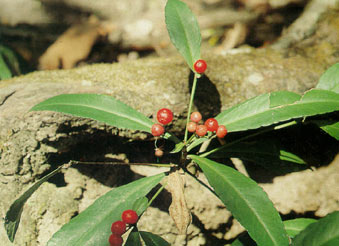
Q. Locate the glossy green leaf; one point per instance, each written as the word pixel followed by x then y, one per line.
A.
pixel 325 232
pixel 140 205
pixel 247 202
pixel 13 215
pixel 265 152
pixel 196 142
pixel 8 63
pixel 295 226
pixel 5 72
pixel 92 226
pixel 332 130
pixel 330 79
pixel 183 30
pixel 133 239
pixel 178 147
pixel 151 239
pixel 331 127
pixel 259 150
pixel 272 108
pixel 103 108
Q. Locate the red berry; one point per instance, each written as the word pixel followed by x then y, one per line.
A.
pixel 191 126
pixel 118 227
pixel 200 66
pixel 164 116
pixel 129 216
pixel 222 131
pixel 211 124
pixel 115 240
pixel 157 130
pixel 196 117
pixel 201 130
pixel 158 152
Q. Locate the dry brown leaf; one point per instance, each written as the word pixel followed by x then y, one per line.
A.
pixel 178 209
pixel 73 45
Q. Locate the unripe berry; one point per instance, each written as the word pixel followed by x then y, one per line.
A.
pixel 157 130
pixel 196 117
pixel 200 66
pixel 221 132
pixel 201 130
pixel 158 152
pixel 164 116
pixel 129 216
pixel 212 125
pixel 191 126
pixel 115 240
pixel 118 227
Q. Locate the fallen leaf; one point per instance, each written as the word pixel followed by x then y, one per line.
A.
pixel 73 45
pixel 178 209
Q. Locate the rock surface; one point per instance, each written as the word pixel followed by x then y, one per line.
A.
pixel 31 143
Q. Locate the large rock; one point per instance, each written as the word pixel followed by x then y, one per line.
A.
pixel 32 143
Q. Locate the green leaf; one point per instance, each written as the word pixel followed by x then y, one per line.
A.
pixel 13 215
pixel 196 142
pixel 140 205
pixel 330 79
pixel 5 72
pixel 153 240
pixel 247 202
pixel 331 127
pixel 92 226
pixel 272 108
pixel 263 149
pixel 325 232
pixel 183 30
pixel 8 63
pixel 133 239
pixel 295 226
pixel 103 108
pixel 332 130
pixel 266 152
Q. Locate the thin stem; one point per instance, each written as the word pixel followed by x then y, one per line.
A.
pixel 120 163
pixel 190 106
pixel 249 136
pixel 155 196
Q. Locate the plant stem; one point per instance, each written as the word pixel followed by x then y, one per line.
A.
pixel 120 163
pixel 190 106
pixel 155 196
pixel 248 136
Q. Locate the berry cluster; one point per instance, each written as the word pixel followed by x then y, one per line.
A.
pixel 164 117
pixel 119 227
pixel 210 125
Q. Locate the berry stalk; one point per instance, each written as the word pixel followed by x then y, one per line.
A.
pixel 190 105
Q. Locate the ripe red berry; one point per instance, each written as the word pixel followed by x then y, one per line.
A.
pixel 196 117
pixel 221 132
pixel 200 66
pixel 129 216
pixel 158 152
pixel 115 240
pixel 191 126
pixel 164 116
pixel 201 130
pixel 212 125
pixel 118 227
pixel 157 130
